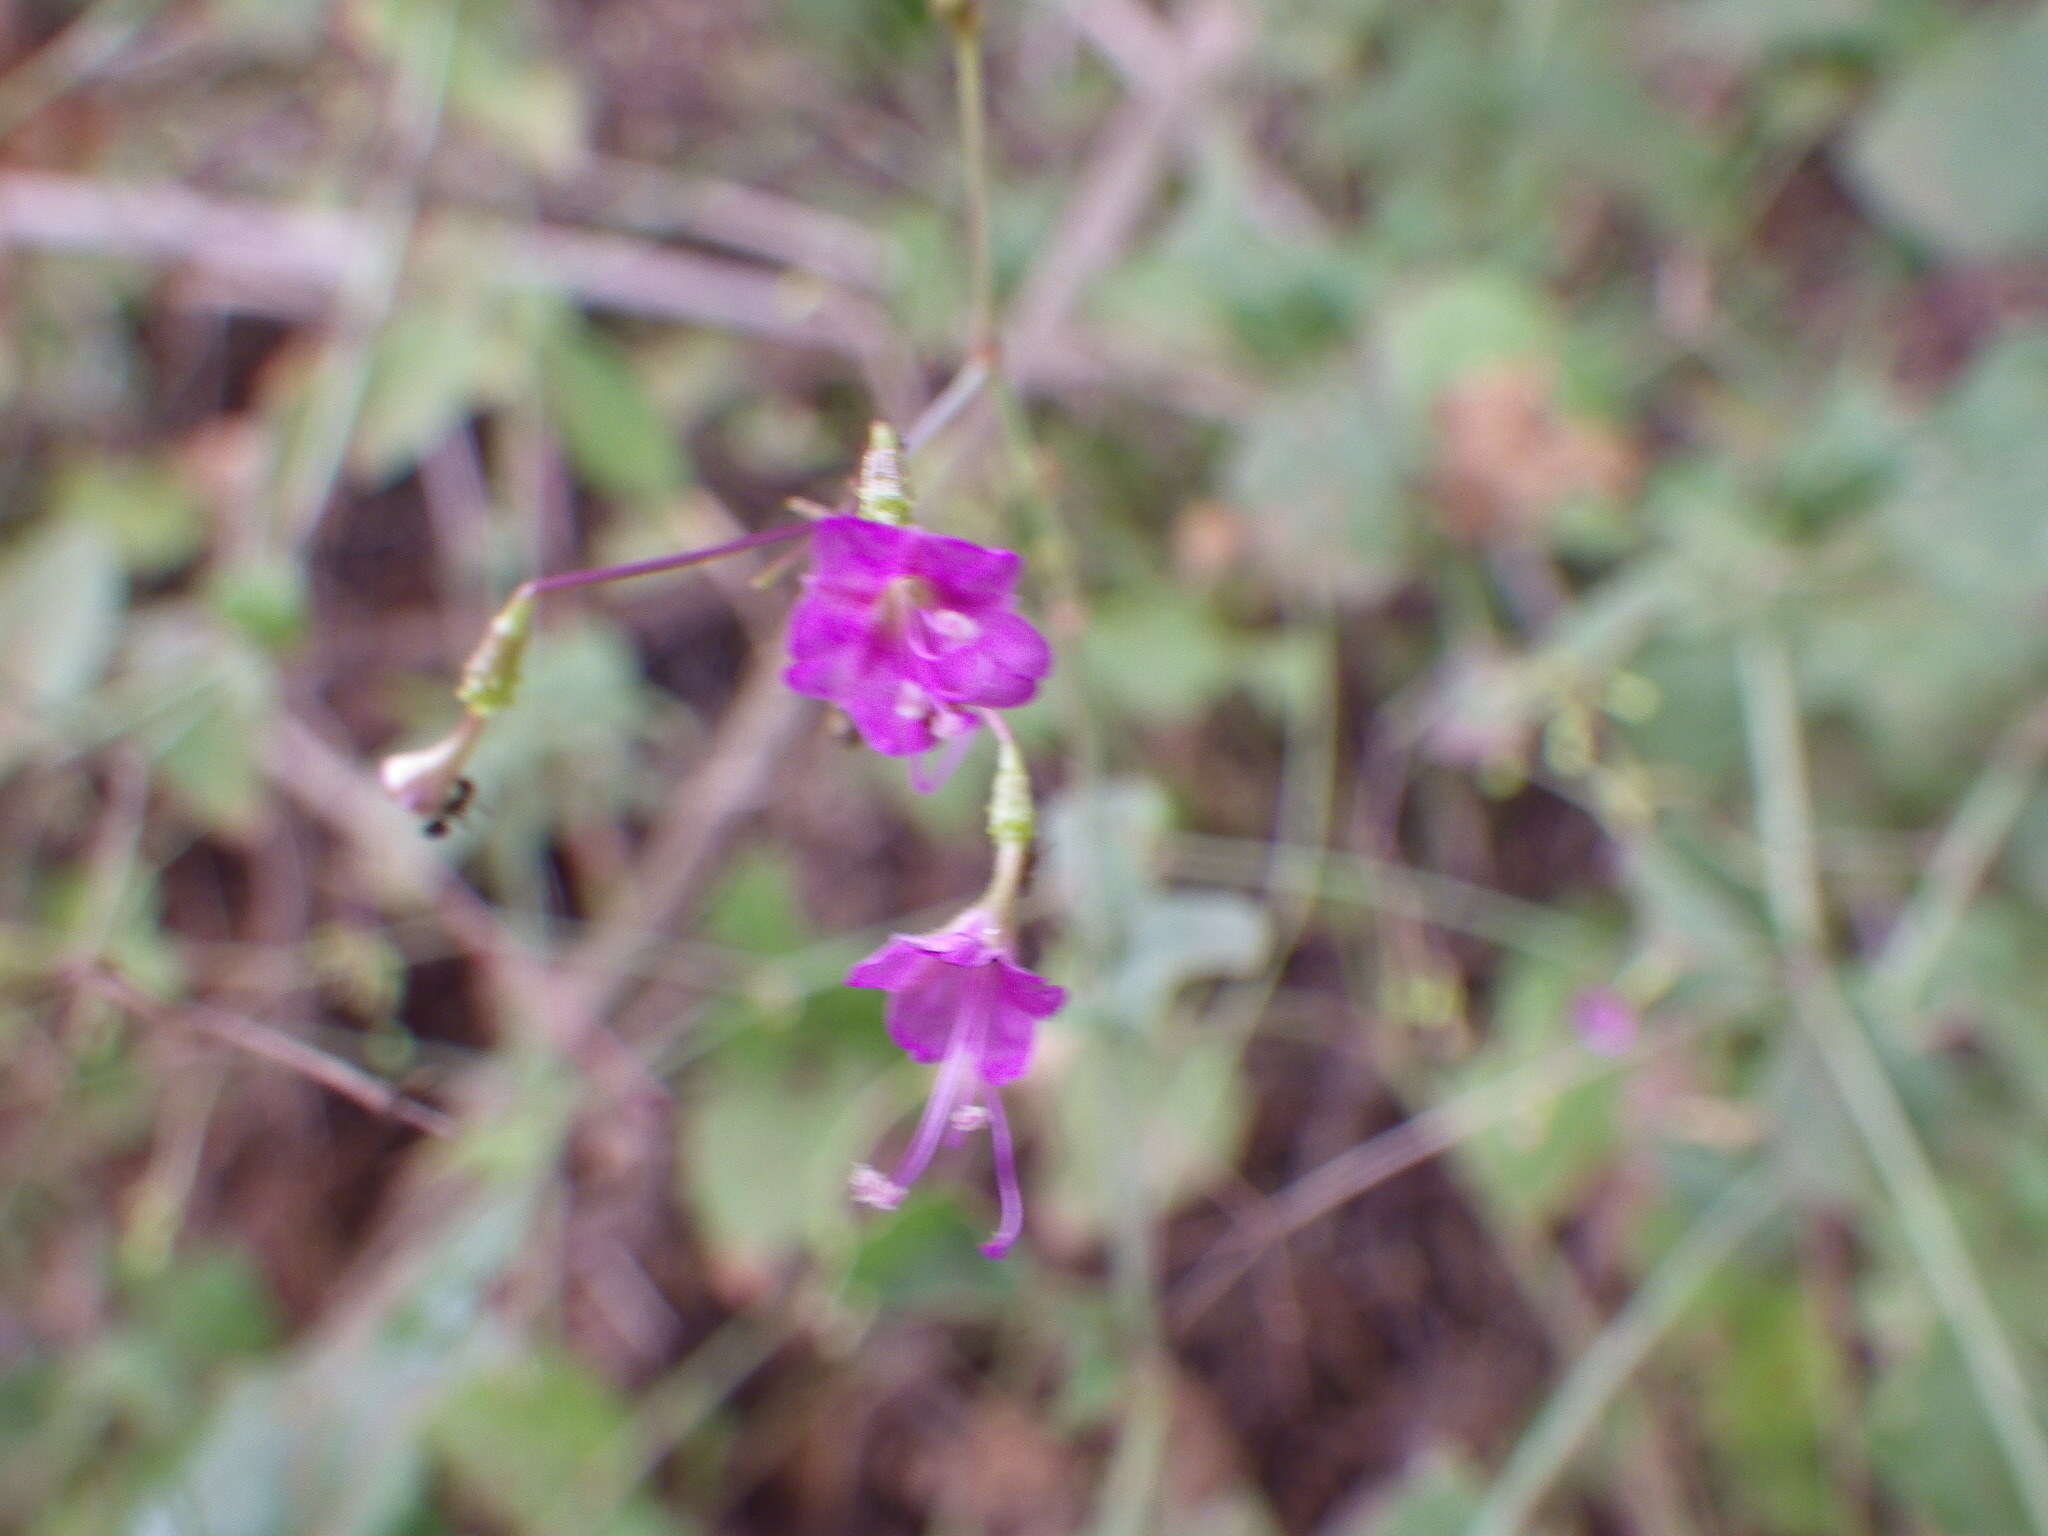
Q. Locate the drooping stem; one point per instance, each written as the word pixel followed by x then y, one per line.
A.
pixel 1011 822
pixel 964 16
pixel 599 575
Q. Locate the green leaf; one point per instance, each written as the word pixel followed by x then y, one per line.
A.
pixel 329 1440
pixel 1439 1498
pixel 1933 1450
pixel 1953 149
pixel 1178 1120
pixel 1148 942
pixel 1446 330
pixel 1321 471
pixel 210 748
pixel 766 1154
pixel 926 1259
pixel 1164 657
pixel 1969 511
pixel 208 1305
pixel 542 1442
pixel 755 906
pixel 1748 31
pixel 535 107
pixel 152 514
pixel 1538 1165
pixel 1768 1394
pixel 60 603
pixel 1133 1106
pixel 425 374
pixel 615 436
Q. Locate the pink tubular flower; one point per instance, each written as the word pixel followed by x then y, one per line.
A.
pixel 958 999
pixel 909 632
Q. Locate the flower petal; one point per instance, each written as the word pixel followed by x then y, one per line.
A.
pixel 894 965
pixel 1000 669
pixel 1031 994
pixel 858 558
pixel 966 575
pixel 828 620
pixel 877 706
pixel 924 1013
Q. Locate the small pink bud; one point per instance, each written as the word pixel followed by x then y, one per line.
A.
pixel 1605 1020
pixel 428 781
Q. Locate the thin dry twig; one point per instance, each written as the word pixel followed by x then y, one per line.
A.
pixel 1372 1162
pixel 267 1043
pixel 293 261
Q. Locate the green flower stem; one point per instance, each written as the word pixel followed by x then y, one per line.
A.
pixel 1012 822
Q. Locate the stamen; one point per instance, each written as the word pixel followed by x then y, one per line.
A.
pixel 938 1109
pixel 969 1118
pixel 1010 1225
pixel 932 633
pixel 869 1186
pixel 925 776
pixel 952 625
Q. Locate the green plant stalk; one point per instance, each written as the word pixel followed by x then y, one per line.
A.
pixel 1792 888
pixel 1131 1486
pixel 971 95
pixel 1599 1374
pixel 313 465
pixel 1968 844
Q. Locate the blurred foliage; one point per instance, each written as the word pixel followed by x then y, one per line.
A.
pixel 1463 388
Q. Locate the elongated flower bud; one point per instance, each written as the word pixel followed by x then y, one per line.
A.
pixel 490 678
pixel 1012 819
pixel 880 492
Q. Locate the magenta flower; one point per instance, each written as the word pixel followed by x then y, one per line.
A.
pixel 1605 1021
pixel 909 632
pixel 957 998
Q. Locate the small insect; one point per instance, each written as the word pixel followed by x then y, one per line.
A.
pixel 453 806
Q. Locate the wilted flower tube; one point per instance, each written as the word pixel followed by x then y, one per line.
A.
pixel 424 780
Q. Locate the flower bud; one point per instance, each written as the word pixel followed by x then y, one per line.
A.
pixel 1012 820
pixel 490 678
pixel 880 492
pixel 426 780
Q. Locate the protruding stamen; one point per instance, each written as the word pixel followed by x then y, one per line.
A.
pixel 870 1186
pixel 912 702
pixel 1010 1225
pixel 969 1118
pixel 946 1094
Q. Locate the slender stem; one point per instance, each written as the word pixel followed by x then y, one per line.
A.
pixel 307 480
pixel 276 1047
pixel 599 575
pixel 1778 765
pixel 981 289
pixel 1599 1374
pixel 948 404
pixel 1425 1135
pixel 1969 843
